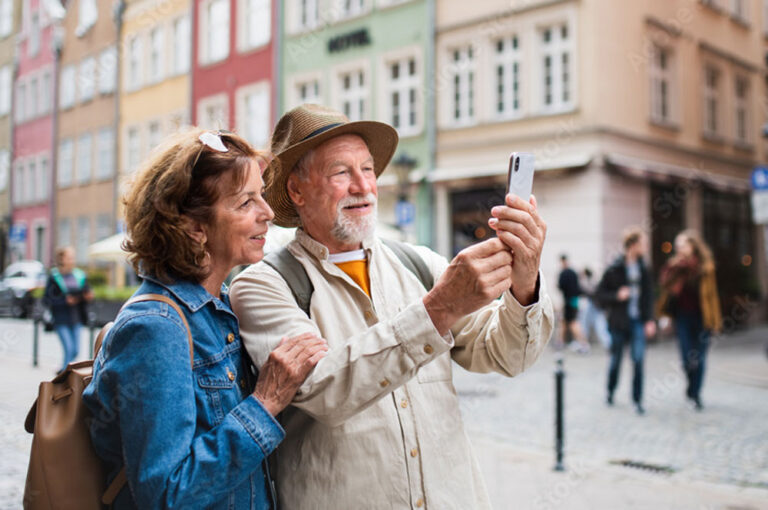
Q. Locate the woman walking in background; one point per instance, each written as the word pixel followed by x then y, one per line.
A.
pixel 689 296
pixel 67 294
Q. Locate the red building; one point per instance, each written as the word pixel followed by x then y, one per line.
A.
pixel 233 67
pixel 31 175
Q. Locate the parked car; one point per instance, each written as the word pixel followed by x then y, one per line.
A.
pixel 18 282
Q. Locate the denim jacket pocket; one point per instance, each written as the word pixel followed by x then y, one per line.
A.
pixel 216 380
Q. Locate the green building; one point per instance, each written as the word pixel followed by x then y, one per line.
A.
pixel 371 59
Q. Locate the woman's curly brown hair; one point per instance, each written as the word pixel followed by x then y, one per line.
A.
pixel 181 180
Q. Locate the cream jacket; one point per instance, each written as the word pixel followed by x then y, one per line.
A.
pixel 376 425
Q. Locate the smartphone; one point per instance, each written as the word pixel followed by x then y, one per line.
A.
pixel 520 174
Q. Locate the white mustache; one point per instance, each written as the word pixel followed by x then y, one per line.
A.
pixel 352 201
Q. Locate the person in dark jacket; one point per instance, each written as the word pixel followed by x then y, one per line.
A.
pixel 626 294
pixel 67 294
pixel 568 283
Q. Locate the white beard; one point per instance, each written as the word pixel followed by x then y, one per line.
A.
pixel 353 229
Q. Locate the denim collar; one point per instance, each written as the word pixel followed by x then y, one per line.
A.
pixel 193 295
pixel 320 251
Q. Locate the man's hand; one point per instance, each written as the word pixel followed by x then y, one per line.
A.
pixel 475 277
pixel 623 293
pixel 522 230
pixel 286 369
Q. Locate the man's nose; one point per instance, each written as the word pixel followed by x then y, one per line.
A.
pixel 360 183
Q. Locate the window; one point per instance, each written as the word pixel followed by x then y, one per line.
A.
pixel 33 40
pixel 134 149
pixel 83 238
pixel 255 25
pixel 103 226
pixel 157 43
pixel 253 114
pixel 350 8
pixel 18 182
pixel 21 100
pixel 67 84
pixel 742 120
pixel 32 96
pixel 65 232
pixel 740 10
pixel 216 31
pixel 5 166
pixel 308 92
pixel 181 45
pixel 306 14
pixel 402 95
pixel 105 162
pixel 135 57
pixel 6 17
pixel 5 89
pixel 711 101
pixel 556 68
pixel 765 17
pixel 29 182
pixel 46 93
pixel 107 68
pixel 462 73
pixel 661 74
pixel 353 94
pixel 213 112
pixel 84 152
pixel 64 170
pixel 87 15
pixel 87 79
pixel 41 177
pixel 155 135
pixel 507 67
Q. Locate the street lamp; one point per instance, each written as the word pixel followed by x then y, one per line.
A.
pixel 404 210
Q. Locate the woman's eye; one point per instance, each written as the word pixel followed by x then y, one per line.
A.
pixel 247 203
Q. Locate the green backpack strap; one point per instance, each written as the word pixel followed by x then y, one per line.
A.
pixel 301 287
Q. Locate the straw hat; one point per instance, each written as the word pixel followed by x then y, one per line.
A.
pixel 306 127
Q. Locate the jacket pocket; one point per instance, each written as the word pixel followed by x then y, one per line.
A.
pixel 439 369
pixel 216 382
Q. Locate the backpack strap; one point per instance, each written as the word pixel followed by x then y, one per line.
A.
pixel 412 261
pixel 294 275
pixel 120 480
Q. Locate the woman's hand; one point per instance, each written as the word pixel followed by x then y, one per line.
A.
pixel 286 369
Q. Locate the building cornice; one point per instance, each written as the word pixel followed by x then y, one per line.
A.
pixel 709 48
pixel 490 18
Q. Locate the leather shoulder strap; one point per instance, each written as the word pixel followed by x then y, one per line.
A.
pixel 412 261
pixel 294 275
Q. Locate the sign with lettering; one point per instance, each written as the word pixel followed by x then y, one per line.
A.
pixel 350 40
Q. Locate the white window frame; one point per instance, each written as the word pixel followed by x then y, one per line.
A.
pixel 103 228
pixel 5 168
pixel 712 96
pixel 66 163
pixel 6 89
pixel 64 227
pixel 350 9
pixel 33 89
pixel 105 154
pixel 297 81
pixel 662 85
pixel 86 78
pixel 46 92
pixel 357 94
pixel 21 101
pixel 206 53
pixel 133 149
pixel 404 86
pixel 30 177
pixel 255 18
pixel 181 45
pixel 43 177
pixel 106 71
pixel 87 14
pixel 84 159
pixel 6 17
pixel 462 84
pixel 219 102
pixel 303 15
pixel 255 129
pixel 34 34
pixel 81 245
pixel 740 10
pixel 18 181
pixel 67 87
pixel 507 90
pixel 556 48
pixel 154 135
pixel 741 110
pixel 156 60
pixel 134 64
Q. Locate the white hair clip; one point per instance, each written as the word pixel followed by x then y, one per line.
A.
pixel 213 140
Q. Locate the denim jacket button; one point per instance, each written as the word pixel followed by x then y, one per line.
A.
pixel 230 375
pixel 230 338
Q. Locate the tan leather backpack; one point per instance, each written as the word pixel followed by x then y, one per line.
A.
pixel 64 470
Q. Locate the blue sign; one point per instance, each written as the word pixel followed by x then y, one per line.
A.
pixel 405 212
pixel 760 178
pixel 18 233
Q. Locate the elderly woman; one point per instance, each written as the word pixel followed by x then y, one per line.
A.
pixel 192 434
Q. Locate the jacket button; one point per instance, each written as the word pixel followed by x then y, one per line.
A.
pixel 428 349
pixel 230 375
pixel 384 383
pixel 230 338
pixel 414 452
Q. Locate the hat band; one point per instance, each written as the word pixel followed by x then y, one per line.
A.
pixel 320 130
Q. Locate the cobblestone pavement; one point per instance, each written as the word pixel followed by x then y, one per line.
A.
pixel 726 443
pixel 719 453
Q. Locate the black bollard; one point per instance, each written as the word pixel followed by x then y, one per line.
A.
pixel 559 439
pixel 35 340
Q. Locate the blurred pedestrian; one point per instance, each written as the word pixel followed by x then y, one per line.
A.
pixel 67 294
pixel 593 319
pixel 626 294
pixel 689 296
pixel 568 283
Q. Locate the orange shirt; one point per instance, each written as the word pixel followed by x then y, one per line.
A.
pixel 355 264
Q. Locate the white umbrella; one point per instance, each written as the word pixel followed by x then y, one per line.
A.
pixel 108 249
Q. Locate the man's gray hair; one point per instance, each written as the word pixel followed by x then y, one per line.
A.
pixel 302 166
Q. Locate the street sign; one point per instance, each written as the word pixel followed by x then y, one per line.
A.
pixel 760 178
pixel 18 233
pixel 405 212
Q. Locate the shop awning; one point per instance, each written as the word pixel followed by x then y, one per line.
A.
pixel 547 164
pixel 666 173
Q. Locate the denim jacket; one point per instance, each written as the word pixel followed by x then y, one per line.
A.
pixel 189 437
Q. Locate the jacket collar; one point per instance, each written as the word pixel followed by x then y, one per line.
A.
pixel 320 251
pixel 191 294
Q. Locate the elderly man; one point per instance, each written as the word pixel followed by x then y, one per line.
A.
pixel 376 424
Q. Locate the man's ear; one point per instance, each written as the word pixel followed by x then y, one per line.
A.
pixel 294 190
pixel 194 229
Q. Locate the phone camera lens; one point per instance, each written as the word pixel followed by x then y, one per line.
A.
pixel 517 165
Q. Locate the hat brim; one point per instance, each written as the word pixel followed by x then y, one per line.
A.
pixel 380 138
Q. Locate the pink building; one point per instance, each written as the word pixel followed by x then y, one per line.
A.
pixel 31 176
pixel 233 62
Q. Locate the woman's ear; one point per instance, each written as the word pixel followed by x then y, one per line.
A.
pixel 194 229
pixel 294 190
